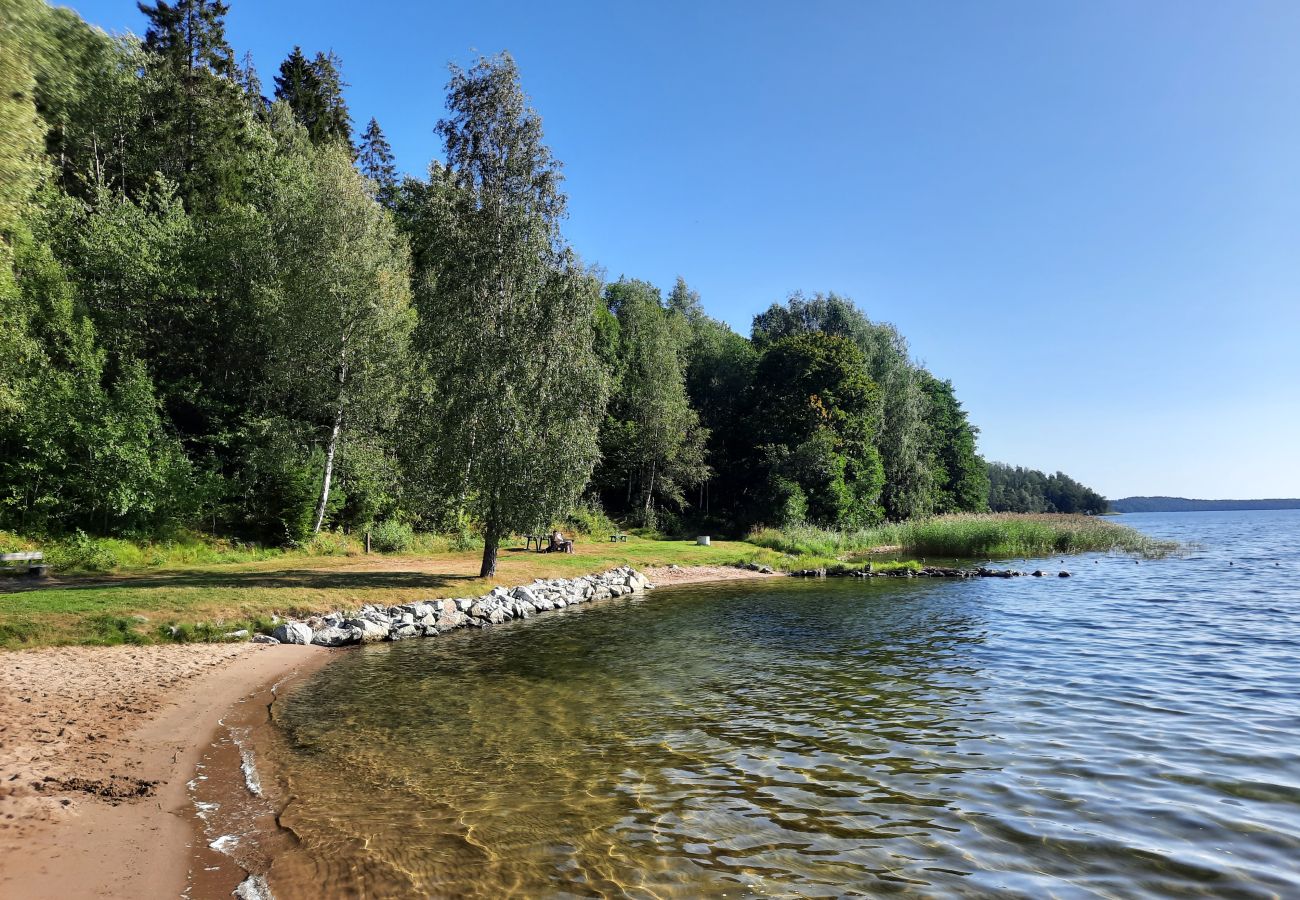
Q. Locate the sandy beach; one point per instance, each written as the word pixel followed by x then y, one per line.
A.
pixel 96 747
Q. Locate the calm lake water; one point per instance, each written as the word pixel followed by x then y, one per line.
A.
pixel 1131 731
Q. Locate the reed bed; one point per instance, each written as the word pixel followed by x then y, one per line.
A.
pixel 970 536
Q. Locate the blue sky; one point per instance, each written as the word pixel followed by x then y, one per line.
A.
pixel 1086 214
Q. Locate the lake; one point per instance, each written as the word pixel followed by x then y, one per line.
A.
pixel 1131 731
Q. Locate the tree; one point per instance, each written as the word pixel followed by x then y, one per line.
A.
pixel 652 441
pixel 195 123
pixel 815 411
pixel 343 317
pixel 251 84
pixel 314 91
pixel 901 438
pixel 516 390
pixel 720 370
pixel 685 301
pixel 375 159
pixel 961 476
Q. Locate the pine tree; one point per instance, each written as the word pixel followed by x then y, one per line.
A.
pixel 335 123
pixel 251 85
pixel 195 126
pixel 375 159
pixel 314 91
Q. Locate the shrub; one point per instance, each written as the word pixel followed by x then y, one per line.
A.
pixel 84 553
pixel 588 518
pixel 391 537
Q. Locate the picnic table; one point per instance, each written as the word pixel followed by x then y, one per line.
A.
pixel 617 536
pixel 535 540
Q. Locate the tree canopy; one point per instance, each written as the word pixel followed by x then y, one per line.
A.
pixel 227 312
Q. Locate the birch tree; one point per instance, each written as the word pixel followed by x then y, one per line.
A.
pixel 342 312
pixel 516 392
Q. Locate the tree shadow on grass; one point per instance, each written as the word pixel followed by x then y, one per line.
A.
pixel 301 579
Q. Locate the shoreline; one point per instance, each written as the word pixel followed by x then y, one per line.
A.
pixel 107 752
pixel 97 747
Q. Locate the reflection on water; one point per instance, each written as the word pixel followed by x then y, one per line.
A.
pixel 1132 730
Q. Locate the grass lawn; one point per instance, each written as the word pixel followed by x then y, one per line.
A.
pixel 192 587
pixel 97 609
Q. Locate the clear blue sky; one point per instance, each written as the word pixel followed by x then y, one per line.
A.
pixel 1086 214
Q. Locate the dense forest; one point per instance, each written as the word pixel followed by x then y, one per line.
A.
pixel 221 308
pixel 1015 489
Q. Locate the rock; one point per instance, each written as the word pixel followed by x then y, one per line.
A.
pixel 1062 574
pixel 239 635
pixel 524 594
pixel 337 636
pixel 371 630
pixel 402 632
pixel 264 639
pixel 1037 573
pixel 419 609
pixel 762 570
pixel 293 633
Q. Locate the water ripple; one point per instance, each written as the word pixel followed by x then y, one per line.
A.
pixel 1133 731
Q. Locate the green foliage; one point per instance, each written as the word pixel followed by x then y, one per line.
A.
pixel 391 536
pixel 1015 489
pixel 314 91
pixel 815 420
pixel 210 319
pixel 514 391
pixel 589 518
pixel 81 553
pixel 652 445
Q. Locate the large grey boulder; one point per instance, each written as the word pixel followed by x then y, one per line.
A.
pixel 264 639
pixel 524 594
pixel 292 633
pixel 371 630
pixel 337 636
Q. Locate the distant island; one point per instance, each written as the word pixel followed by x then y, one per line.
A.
pixel 1183 504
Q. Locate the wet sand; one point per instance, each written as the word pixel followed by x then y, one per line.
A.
pixel 97 745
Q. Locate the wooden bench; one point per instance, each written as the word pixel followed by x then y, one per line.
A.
pixel 26 563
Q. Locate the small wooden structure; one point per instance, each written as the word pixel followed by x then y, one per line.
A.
pixel 29 563
pixel 617 536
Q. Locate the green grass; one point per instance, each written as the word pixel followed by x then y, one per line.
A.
pixel 202 602
pixel 969 537
pixel 195 590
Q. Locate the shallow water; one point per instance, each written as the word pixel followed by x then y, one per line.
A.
pixel 1131 731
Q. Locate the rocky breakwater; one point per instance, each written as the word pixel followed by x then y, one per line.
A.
pixel 429 618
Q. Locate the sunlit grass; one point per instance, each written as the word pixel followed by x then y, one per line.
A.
pixel 970 537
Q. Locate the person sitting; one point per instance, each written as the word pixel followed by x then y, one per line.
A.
pixel 559 543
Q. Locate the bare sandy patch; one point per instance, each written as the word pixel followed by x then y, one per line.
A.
pixel 662 576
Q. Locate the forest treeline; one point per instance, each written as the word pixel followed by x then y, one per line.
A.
pixel 221 308
pixel 1016 489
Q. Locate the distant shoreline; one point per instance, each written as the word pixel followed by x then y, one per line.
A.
pixel 1185 504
